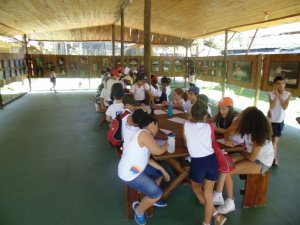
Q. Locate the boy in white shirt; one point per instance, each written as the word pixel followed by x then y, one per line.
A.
pixel 117 107
pixel 279 101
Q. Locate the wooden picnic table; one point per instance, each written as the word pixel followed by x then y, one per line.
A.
pixel 180 151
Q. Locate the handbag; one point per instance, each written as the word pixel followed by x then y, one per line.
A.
pixel 225 163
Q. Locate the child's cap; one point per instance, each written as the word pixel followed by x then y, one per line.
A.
pixel 154 78
pixel 194 90
pixel 226 102
pixel 115 72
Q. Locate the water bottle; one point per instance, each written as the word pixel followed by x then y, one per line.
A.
pixel 170 109
pixel 171 143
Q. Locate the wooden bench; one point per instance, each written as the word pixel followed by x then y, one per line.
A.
pixel 131 196
pixel 255 191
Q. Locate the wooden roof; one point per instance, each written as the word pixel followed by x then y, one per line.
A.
pixel 184 19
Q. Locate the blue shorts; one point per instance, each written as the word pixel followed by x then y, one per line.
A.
pixel 145 184
pixel 264 168
pixel 204 168
pixel 277 129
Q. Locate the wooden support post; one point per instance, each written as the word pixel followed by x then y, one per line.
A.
pixel 28 62
pixel 122 36
pixel 224 78
pixel 186 63
pixel 113 38
pixel 258 79
pixel 147 38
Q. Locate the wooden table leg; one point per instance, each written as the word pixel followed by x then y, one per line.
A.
pixel 174 183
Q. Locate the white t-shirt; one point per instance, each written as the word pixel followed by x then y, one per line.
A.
pixel 198 139
pixel 266 153
pixel 168 91
pixel 109 85
pixel 139 92
pixel 187 106
pixel 104 95
pixel 128 131
pixel 134 159
pixel 181 102
pixel 155 92
pixel 114 109
pixel 278 113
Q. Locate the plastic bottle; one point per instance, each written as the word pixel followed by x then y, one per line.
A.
pixel 170 109
pixel 171 143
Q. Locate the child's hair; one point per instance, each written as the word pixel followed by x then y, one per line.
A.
pixel 164 80
pixel 199 111
pixel 278 78
pixel 128 99
pixel 145 120
pixel 179 91
pixel 203 97
pixel 227 121
pixel 117 91
pixel 253 122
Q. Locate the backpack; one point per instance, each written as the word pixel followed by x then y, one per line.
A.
pixel 114 134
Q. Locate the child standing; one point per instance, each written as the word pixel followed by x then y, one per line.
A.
pixel 204 167
pixel 117 107
pixel 53 78
pixel 279 101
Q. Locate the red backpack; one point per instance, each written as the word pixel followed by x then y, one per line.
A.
pixel 114 134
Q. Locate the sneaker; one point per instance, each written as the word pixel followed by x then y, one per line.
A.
pixel 275 162
pixel 228 206
pixel 218 199
pixel 160 203
pixel 139 219
pixel 220 219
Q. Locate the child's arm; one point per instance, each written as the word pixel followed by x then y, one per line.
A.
pixel 284 103
pixel 154 164
pixel 272 102
pixel 253 155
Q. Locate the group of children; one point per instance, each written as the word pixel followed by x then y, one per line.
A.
pixel 251 127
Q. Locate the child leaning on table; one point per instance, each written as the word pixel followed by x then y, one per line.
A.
pixel 139 171
pixel 204 166
pixel 255 129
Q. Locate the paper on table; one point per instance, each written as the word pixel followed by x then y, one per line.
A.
pixel 176 111
pixel 159 112
pixel 166 131
pixel 178 120
pixel 160 142
pixel 222 141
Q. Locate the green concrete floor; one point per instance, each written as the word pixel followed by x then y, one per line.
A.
pixel 56 168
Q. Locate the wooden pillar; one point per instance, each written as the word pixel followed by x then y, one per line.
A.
pixel 113 38
pixel 147 37
pixel 225 64
pixel 186 63
pixel 258 79
pixel 122 37
pixel 28 62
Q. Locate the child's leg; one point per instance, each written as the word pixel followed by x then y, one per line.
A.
pixel 208 196
pixel 146 203
pixel 275 141
pixel 197 189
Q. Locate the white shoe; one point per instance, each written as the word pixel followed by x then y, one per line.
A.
pixel 228 206
pixel 218 199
